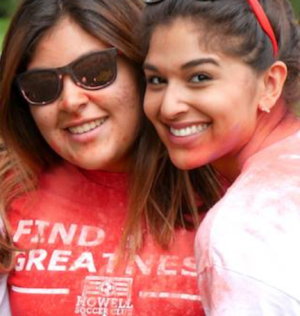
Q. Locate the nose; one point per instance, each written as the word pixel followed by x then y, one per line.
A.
pixel 173 104
pixel 73 98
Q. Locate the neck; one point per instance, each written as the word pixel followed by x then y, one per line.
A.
pixel 271 128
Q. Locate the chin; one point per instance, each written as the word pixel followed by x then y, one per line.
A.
pixel 186 163
pixel 181 163
pixel 86 164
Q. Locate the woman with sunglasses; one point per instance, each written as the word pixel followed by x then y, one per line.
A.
pixel 99 185
pixel 223 78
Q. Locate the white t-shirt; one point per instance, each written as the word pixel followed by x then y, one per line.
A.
pixel 4 302
pixel 248 246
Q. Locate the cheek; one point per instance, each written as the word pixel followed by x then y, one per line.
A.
pixel 131 123
pixel 124 106
pixel 43 117
pixel 127 106
pixel 56 146
pixel 151 107
pixel 129 101
pixel 45 120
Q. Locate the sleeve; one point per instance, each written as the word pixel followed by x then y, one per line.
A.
pixel 228 293
pixel 4 301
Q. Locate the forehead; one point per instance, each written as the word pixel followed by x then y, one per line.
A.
pixel 62 44
pixel 181 46
pixel 180 40
pixel 179 30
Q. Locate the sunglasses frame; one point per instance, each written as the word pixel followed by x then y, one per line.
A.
pixel 68 70
pixel 152 1
pixel 260 15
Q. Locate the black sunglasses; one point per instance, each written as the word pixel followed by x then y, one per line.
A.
pixel 93 71
pixel 152 1
pixel 157 1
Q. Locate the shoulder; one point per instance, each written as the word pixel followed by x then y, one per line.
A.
pixel 268 187
pixel 53 181
pixel 50 187
pixel 254 230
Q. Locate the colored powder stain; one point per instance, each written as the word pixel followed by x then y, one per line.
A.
pixel 56 147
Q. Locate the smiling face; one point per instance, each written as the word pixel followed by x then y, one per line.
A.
pixel 203 104
pixel 91 129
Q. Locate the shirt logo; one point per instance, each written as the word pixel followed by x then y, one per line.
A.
pixel 105 296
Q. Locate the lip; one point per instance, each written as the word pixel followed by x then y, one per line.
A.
pixel 179 125
pixel 81 122
pixel 184 140
pixel 87 136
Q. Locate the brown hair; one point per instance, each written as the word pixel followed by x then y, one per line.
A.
pixel 160 194
pixel 235 23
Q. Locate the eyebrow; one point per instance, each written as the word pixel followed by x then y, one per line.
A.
pixel 201 61
pixel 149 67
pixel 190 64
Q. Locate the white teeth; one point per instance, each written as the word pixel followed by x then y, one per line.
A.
pixel 86 127
pixel 188 131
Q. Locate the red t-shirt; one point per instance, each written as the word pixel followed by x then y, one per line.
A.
pixel 71 228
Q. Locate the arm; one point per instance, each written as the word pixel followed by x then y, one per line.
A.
pixel 4 301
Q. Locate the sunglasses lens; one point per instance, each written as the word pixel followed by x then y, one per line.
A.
pixel 39 87
pixel 97 70
pixel 94 71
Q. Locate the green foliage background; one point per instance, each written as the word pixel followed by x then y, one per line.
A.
pixel 296 5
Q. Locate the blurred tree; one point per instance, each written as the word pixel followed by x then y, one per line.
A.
pixel 6 7
pixel 296 5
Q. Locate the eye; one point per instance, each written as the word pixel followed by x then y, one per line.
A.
pixel 200 78
pixel 155 80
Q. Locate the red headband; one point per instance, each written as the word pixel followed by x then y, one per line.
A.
pixel 264 23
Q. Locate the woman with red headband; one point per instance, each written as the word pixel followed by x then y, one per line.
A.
pixel 223 78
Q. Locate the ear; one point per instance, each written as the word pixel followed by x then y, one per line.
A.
pixel 273 82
